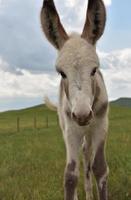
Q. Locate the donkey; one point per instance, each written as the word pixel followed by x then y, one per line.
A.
pixel 83 101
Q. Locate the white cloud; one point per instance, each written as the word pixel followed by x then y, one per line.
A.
pixel 26 84
pixel 3 4
pixel 108 2
pixel 116 67
pixel 71 3
pixel 77 3
pixel 73 13
pixel 3 64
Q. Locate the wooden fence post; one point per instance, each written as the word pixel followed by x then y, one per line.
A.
pixel 18 124
pixel 47 122
pixel 35 122
pixel 57 120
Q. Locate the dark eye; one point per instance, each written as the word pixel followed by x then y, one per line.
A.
pixel 62 74
pixel 93 71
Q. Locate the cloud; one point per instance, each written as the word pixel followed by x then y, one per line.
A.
pixel 74 16
pixel 108 2
pixel 77 3
pixel 116 67
pixel 27 85
pixel 22 88
pixel 3 65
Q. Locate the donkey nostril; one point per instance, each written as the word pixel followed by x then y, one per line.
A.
pixel 74 116
pixel 90 115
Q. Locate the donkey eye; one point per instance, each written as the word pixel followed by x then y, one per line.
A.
pixel 93 71
pixel 62 74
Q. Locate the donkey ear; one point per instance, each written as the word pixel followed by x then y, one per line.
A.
pixel 95 21
pixel 51 24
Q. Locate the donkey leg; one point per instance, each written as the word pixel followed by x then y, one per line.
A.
pixel 73 143
pixel 87 160
pixel 100 170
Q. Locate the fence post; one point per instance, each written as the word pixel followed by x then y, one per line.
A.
pixel 18 124
pixel 47 122
pixel 57 120
pixel 35 122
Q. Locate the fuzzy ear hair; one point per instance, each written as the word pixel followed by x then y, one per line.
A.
pixel 51 24
pixel 95 21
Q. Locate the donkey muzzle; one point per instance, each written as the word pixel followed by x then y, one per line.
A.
pixel 82 119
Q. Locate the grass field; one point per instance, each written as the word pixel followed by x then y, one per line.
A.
pixel 32 161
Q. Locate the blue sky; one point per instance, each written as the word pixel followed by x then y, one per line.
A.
pixel 27 60
pixel 118 29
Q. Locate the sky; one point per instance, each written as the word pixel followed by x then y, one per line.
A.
pixel 27 60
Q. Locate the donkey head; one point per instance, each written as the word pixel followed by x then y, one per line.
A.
pixel 77 60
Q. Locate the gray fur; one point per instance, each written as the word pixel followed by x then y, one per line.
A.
pixel 83 100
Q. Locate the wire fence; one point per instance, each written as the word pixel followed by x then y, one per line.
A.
pixel 19 123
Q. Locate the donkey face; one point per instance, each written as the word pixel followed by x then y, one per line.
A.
pixel 77 61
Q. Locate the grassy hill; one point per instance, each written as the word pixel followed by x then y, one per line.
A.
pixel 122 102
pixel 40 114
pixel 32 160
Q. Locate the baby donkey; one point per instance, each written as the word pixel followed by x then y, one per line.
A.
pixel 83 101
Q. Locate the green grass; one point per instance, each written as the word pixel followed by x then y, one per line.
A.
pixel 8 120
pixel 32 161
